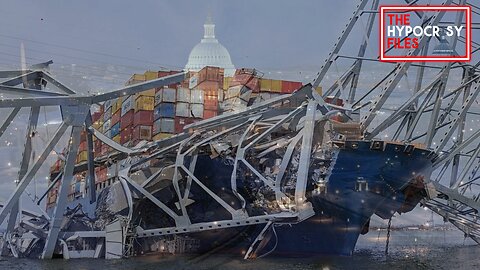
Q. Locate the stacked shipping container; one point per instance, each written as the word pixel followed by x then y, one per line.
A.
pixel 159 113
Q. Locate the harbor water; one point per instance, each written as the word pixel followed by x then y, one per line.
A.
pixel 409 249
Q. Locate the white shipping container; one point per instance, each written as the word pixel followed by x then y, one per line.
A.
pixel 108 133
pixel 169 95
pixel 233 92
pixel 127 105
pixel 156 126
pixel 220 95
pixel 107 114
pixel 183 95
pixel 108 104
pixel 196 96
pixel 197 110
pixel 106 125
pixel 167 125
pixel 182 109
pixel 158 97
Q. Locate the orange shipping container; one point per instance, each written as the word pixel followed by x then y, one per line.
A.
pixel 209 114
pixel 210 103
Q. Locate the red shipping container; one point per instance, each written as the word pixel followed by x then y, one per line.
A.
pixel 168 73
pixel 126 120
pixel 83 135
pixel 126 135
pixel 181 122
pixel 142 132
pixel 143 118
pixel 96 116
pixel 248 80
pixel 209 114
pixel 211 103
pixel 82 146
pixel 289 86
pixel 97 148
pixel 115 118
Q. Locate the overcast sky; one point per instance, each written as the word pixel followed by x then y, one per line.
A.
pixel 113 39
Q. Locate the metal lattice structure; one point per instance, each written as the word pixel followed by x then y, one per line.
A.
pixel 439 105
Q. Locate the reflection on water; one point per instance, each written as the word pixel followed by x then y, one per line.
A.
pixel 408 250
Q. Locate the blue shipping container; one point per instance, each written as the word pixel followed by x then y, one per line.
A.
pixel 115 130
pixel 166 110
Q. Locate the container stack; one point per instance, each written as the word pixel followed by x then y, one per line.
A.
pixel 242 87
pixel 210 80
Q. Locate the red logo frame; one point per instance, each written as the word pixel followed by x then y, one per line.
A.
pixel 468 35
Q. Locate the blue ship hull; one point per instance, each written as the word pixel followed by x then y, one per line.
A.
pixel 366 178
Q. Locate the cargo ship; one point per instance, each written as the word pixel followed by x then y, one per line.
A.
pixel 349 179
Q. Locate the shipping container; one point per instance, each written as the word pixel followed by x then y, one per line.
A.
pixel 116 138
pixel 136 78
pixel 248 80
pixel 239 91
pixel 183 95
pixel 115 130
pixel 108 133
pixel 82 146
pixel 96 116
pixel 158 96
pixel 148 93
pixel 108 104
pixel 144 103
pixel 82 156
pixel 107 114
pixel 143 118
pixel 98 124
pixel 126 135
pixel 181 122
pixel 182 109
pixel 210 74
pixel 226 82
pixel 127 120
pixel 150 75
pixel 289 86
pixel 168 73
pixel 196 110
pixel 161 136
pixel 165 110
pixel 196 96
pixel 127 105
pixel 269 85
pixel 115 118
pixel 142 133
pixel 164 125
pixel 211 103
pixel 209 113
pixel 114 105
pixel 221 95
pixel 169 95
pixel 106 125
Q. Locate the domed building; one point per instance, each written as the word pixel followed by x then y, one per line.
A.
pixel 209 52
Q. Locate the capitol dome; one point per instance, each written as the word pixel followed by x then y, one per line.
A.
pixel 209 52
